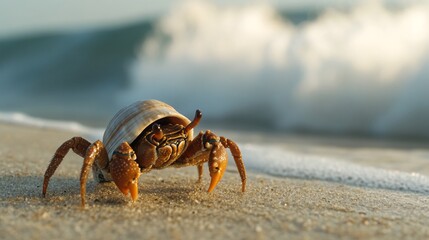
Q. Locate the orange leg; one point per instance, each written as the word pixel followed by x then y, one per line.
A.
pixel 236 153
pixel 95 152
pixel 77 144
pixel 200 172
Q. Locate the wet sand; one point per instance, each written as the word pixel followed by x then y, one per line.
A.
pixel 173 206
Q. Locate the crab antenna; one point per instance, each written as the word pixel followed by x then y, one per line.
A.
pixel 194 122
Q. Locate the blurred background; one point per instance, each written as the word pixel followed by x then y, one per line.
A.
pixel 350 67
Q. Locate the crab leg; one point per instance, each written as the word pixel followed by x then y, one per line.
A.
pixel 77 144
pixel 236 153
pixel 200 172
pixel 96 152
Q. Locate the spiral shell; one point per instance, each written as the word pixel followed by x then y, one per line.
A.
pixel 131 121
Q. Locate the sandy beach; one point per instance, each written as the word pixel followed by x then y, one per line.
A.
pixel 172 205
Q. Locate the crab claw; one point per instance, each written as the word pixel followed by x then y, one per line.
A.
pixel 218 161
pixel 125 171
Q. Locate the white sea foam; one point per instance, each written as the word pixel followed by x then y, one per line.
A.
pixel 365 70
pixel 26 120
pixel 277 162
pixel 282 163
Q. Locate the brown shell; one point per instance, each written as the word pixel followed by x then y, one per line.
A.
pixel 131 121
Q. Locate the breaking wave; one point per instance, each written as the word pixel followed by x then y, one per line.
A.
pixel 359 71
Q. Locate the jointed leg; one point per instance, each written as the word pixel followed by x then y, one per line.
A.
pixel 77 144
pixel 236 153
pixel 96 152
pixel 200 172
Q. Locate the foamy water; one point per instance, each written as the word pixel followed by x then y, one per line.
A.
pixel 26 120
pixel 277 161
pixel 365 70
pixel 282 163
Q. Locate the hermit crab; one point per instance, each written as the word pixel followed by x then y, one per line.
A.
pixel 143 136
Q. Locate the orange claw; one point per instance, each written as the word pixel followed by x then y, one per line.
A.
pixel 218 161
pixel 125 171
pixel 132 188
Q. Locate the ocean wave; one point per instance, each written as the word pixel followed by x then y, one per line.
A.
pixel 358 71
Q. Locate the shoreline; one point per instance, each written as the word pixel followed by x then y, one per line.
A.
pixel 172 205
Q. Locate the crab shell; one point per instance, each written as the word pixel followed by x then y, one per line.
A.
pixel 131 121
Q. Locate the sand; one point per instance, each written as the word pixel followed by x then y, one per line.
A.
pixel 173 206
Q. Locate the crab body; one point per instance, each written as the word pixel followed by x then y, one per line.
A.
pixel 166 150
pixel 143 136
